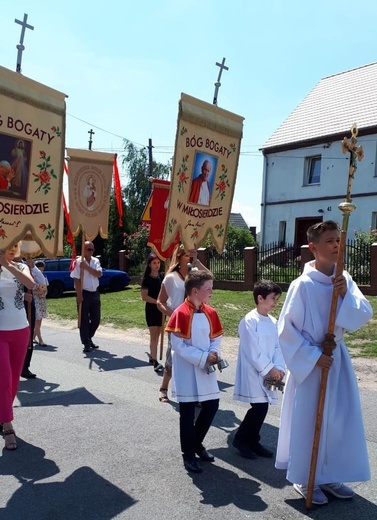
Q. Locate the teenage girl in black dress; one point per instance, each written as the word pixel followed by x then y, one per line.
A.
pixel 150 288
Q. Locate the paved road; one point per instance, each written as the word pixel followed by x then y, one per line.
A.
pixel 95 443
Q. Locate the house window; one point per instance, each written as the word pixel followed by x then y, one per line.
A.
pixel 374 219
pixel 312 170
pixel 282 232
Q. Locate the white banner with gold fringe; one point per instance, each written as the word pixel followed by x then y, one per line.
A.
pixel 32 129
pixel 204 173
pixel 89 185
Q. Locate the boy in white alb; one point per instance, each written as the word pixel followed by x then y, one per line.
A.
pixel 342 454
pixel 259 356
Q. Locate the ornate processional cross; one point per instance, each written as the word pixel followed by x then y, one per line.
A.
pixel 21 46
pixel 218 84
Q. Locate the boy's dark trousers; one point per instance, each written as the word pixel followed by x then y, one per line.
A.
pixel 192 433
pixel 248 432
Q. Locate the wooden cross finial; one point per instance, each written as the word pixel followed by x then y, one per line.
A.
pixel 21 46
pixel 218 84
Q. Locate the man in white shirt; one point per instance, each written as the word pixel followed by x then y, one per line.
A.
pixel 86 273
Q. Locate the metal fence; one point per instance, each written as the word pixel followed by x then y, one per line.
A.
pixel 282 264
pixel 277 262
pixel 229 266
pixel 357 261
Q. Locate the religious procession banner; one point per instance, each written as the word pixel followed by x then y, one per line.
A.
pixel 32 129
pixel 155 214
pixel 89 185
pixel 204 172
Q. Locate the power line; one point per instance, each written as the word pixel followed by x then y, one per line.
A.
pixel 106 131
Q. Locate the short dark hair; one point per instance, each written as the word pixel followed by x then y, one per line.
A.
pixel 315 231
pixel 195 279
pixel 264 288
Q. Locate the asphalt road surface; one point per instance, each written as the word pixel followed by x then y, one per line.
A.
pixel 95 443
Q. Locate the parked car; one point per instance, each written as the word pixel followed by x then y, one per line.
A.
pixel 59 279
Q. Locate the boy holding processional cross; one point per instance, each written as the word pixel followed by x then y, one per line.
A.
pixel 342 453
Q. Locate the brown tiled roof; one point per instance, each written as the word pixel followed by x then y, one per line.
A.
pixel 331 108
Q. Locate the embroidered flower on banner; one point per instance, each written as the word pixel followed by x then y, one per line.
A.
pixel 182 177
pixel 46 173
pixel 194 234
pixel 223 184
pixel 56 131
pixel 3 233
pixel 50 232
pixel 232 146
pixel 171 225
pixel 220 230
pixel 183 130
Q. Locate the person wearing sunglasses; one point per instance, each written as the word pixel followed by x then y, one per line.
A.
pixel 86 274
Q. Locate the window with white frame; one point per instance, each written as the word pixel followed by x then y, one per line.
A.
pixel 312 174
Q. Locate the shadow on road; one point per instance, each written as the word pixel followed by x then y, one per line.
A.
pixel 37 392
pixel 221 487
pixel 84 494
pixel 107 361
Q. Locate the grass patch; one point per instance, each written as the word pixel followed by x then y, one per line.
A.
pixel 125 310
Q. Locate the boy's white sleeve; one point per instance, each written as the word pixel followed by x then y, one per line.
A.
pixel 215 346
pixel 191 354
pixel 249 348
pixel 354 310
pixel 299 354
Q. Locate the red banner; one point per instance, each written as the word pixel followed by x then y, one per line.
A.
pixel 159 201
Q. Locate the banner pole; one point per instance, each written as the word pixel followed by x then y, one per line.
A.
pixel 81 275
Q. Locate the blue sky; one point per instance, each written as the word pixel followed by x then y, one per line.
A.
pixel 124 65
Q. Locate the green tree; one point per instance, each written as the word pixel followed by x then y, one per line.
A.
pixel 238 238
pixel 136 193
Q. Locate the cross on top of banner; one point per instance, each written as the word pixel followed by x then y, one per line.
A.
pixel 21 46
pixel 218 84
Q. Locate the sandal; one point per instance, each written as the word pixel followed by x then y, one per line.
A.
pixel 10 445
pixel 150 359
pixel 163 395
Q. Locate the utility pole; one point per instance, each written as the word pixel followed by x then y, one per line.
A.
pixel 150 163
pixel 218 84
pixel 90 138
pixel 21 46
pixel 150 157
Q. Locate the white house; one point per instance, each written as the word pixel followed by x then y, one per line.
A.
pixel 305 171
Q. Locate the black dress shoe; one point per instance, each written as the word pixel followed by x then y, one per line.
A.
pixel 87 348
pixel 192 466
pixel 244 449
pixel 92 345
pixel 28 375
pixel 205 455
pixel 262 451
